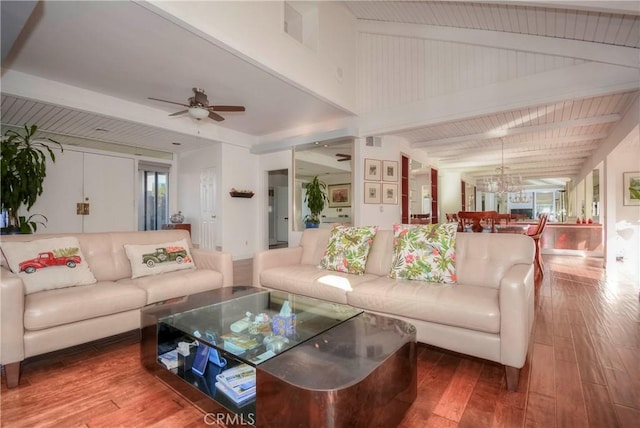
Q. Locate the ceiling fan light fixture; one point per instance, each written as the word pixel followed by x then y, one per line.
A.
pixel 198 112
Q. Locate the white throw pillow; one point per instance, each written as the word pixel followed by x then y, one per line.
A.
pixel 153 259
pixel 47 264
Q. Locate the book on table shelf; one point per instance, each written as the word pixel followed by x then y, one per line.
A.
pixel 238 383
pixel 169 359
pixel 238 343
pixel 238 400
pixel 242 375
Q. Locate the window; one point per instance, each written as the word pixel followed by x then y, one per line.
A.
pixel 153 209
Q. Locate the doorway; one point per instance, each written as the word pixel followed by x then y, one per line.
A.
pixel 278 208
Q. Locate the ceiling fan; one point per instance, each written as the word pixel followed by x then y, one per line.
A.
pixel 343 157
pixel 198 106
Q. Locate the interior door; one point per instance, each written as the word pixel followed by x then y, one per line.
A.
pixel 109 189
pixel 62 190
pixel 106 183
pixel 208 216
pixel 282 213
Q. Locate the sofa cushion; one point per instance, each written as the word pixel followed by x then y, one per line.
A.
pixel 348 249
pixel 483 259
pixel 154 259
pixel 424 252
pixel 312 281
pixel 175 284
pixel 314 243
pixel 470 307
pixel 51 308
pixel 47 264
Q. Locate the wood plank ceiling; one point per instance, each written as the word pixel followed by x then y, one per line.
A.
pixel 545 144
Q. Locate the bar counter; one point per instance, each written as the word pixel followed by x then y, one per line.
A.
pixel 573 239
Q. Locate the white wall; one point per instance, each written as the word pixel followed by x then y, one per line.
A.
pixel 382 215
pixel 622 221
pixel 239 228
pixel 255 30
pixel 614 156
pixel 243 223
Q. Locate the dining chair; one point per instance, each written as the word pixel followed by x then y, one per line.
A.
pixel 478 220
pixel 535 234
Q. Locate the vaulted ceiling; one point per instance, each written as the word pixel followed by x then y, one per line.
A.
pixel 126 51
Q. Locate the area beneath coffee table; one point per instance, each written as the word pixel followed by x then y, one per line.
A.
pixel 332 359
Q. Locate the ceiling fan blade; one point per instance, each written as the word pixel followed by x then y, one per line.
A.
pixel 215 116
pixel 178 113
pixel 170 102
pixel 227 108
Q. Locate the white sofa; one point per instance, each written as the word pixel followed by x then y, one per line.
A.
pixel 50 320
pixel 488 313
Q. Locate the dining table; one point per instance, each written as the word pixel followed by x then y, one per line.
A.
pixel 512 228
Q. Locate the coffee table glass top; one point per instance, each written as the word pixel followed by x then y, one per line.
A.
pixel 255 327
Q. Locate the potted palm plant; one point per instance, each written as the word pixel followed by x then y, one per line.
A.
pixel 23 165
pixel 316 198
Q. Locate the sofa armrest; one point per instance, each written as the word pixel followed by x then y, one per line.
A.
pixel 11 317
pixel 274 258
pixel 516 314
pixel 219 261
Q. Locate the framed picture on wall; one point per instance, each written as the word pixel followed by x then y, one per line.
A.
pixel 372 193
pixel 372 169
pixel 389 193
pixel 631 188
pixel 390 171
pixel 339 195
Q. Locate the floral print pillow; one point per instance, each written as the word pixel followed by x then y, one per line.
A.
pixel 348 249
pixel 424 252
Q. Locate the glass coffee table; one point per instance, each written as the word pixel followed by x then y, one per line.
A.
pixel 315 363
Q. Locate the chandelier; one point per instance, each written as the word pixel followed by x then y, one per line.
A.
pixel 520 198
pixel 502 182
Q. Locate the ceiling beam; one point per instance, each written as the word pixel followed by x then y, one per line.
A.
pixel 443 151
pixel 14 16
pixel 608 6
pixel 533 156
pixel 533 170
pixel 596 120
pixel 574 82
pixel 578 49
pixel 557 171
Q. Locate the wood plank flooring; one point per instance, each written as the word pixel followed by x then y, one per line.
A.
pixel 582 370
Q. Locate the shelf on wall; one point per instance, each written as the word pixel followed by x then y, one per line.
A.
pixel 241 194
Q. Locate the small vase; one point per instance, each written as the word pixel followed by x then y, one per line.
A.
pixel 177 218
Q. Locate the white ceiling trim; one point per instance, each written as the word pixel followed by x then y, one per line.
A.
pixel 596 120
pixel 598 52
pixel 609 6
pixel 584 80
pixel 349 131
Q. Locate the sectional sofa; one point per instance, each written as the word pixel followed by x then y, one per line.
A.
pixel 487 313
pixel 35 319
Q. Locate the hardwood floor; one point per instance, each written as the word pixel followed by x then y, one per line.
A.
pixel 582 371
